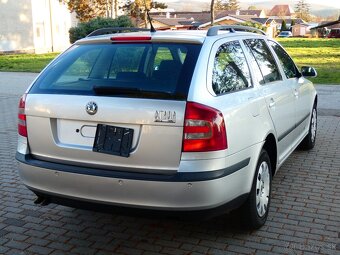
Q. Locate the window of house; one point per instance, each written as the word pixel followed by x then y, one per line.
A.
pixel 38 31
pixel 231 72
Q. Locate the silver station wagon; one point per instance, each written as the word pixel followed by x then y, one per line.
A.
pixel 167 120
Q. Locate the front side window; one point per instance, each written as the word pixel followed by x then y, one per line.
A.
pixel 261 54
pixel 287 63
pixel 231 72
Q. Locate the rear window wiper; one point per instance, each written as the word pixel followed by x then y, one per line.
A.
pixel 135 92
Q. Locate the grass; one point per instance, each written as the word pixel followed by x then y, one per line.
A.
pixel 323 54
pixel 25 62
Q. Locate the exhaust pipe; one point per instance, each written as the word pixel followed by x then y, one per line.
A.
pixel 41 200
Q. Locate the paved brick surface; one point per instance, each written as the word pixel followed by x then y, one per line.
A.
pixel 304 216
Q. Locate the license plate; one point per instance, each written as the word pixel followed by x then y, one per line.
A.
pixel 113 140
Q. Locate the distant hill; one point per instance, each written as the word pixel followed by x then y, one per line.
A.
pixel 317 10
pixel 189 6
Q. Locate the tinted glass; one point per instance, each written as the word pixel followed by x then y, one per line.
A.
pixel 287 63
pixel 231 72
pixel 264 59
pixel 133 70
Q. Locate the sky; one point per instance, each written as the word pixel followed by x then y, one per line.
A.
pixel 329 3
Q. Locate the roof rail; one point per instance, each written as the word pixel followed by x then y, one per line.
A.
pixel 113 30
pixel 232 29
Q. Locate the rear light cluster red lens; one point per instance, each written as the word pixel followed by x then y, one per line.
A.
pixel 204 129
pixel 22 128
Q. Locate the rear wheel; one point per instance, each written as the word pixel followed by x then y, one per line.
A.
pixel 309 141
pixel 255 210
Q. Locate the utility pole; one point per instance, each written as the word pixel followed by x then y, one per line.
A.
pixel 212 12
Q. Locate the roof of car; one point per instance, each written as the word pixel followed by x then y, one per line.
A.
pixel 179 36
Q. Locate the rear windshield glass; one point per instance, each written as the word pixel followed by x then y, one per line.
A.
pixel 147 70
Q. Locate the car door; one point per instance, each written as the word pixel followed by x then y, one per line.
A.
pixel 278 93
pixel 301 91
pixel 229 81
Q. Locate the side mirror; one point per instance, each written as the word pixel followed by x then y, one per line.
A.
pixel 308 71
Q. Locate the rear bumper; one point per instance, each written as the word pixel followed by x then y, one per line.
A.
pixel 179 192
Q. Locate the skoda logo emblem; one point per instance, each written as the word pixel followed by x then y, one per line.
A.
pixel 91 108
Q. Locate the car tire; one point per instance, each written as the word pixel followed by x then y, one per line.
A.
pixel 309 141
pixel 255 209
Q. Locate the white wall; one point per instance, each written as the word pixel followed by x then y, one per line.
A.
pixel 34 26
pixel 51 22
pixel 16 28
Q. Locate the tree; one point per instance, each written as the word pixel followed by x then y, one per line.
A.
pixel 138 8
pixel 229 5
pixel 302 10
pixel 283 25
pixel 219 5
pixel 89 9
pixel 158 5
pixel 84 28
pixel 252 7
pixel 233 5
pixel 292 24
pixel 255 25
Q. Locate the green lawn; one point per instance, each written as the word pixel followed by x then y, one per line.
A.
pixel 25 62
pixel 323 54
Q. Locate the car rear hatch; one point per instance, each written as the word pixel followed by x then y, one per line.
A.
pixel 114 105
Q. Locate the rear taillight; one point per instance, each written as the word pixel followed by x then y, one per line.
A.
pixel 204 129
pixel 22 129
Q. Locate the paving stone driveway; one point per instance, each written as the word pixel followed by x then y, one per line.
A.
pixel 304 215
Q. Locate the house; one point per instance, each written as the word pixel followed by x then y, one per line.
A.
pixel 223 18
pixel 258 13
pixel 163 23
pixel 300 30
pixel 270 24
pixel 202 20
pixel 282 11
pixel 323 29
pixel 329 24
pixel 166 19
pixel 288 22
pixel 35 26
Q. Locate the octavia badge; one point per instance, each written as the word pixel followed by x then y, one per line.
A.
pixel 91 108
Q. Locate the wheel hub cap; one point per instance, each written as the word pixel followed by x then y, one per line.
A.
pixel 313 125
pixel 262 189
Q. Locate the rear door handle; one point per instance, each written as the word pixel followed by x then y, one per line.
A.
pixel 271 103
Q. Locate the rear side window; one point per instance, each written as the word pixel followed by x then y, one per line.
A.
pixel 147 70
pixel 286 62
pixel 231 72
pixel 261 55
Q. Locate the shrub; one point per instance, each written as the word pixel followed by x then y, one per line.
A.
pixel 85 28
pixel 283 25
pixel 253 24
